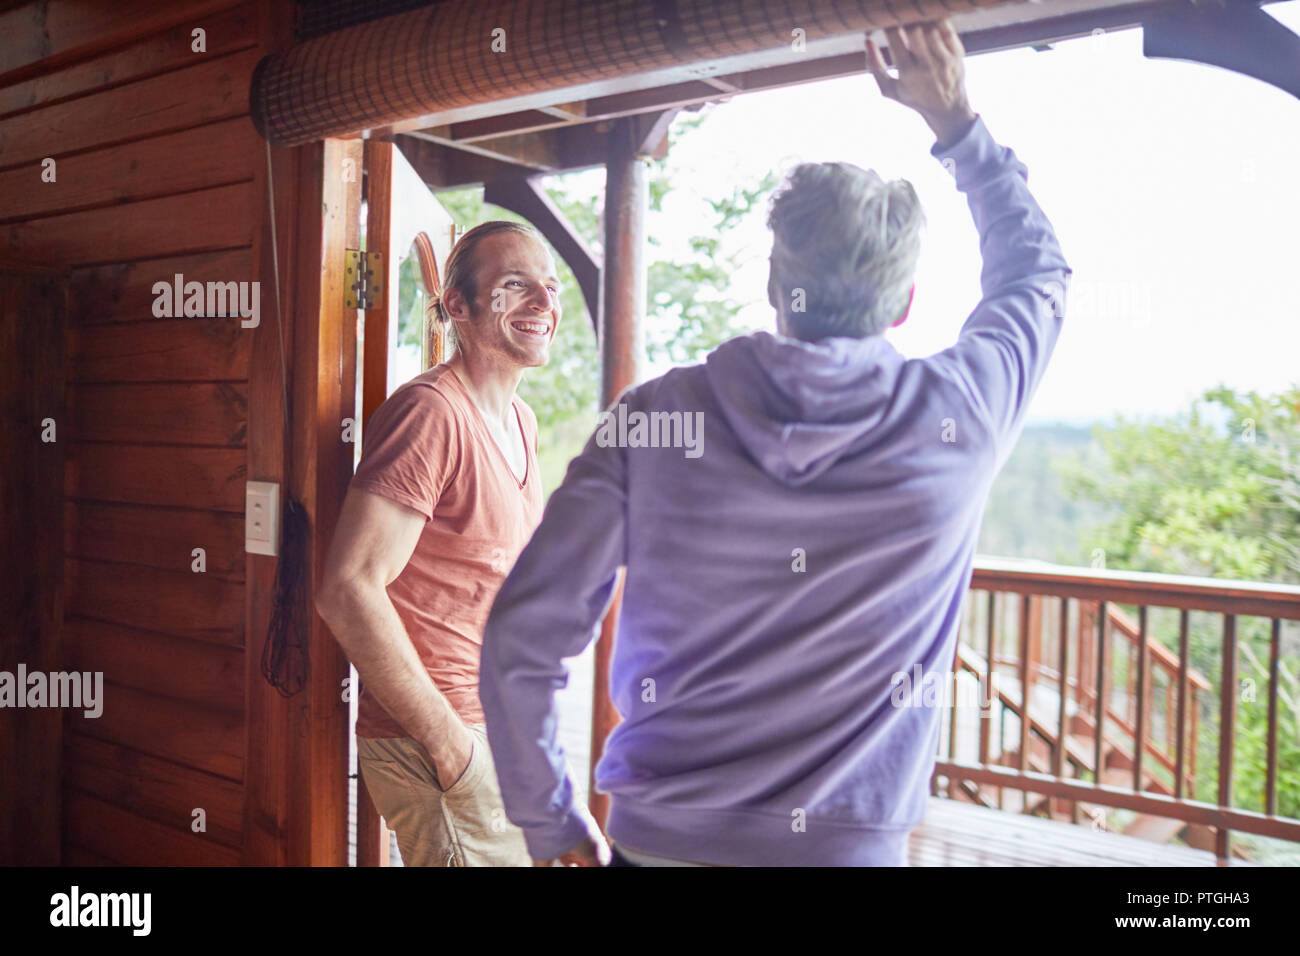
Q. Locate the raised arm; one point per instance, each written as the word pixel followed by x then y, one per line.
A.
pixel 931 75
pixel 1005 344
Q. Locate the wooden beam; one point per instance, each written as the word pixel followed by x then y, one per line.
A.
pixel 267 731
pixel 447 166
pixel 372 831
pixel 1036 33
pixel 324 361
pixel 565 147
pixel 651 133
pixel 573 111
pixel 622 354
pixel 525 121
pixel 442 167
pixel 379 190
pixel 725 84
pixel 622 308
pixel 1263 599
pixel 530 153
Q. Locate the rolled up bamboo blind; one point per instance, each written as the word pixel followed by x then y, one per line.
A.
pixel 450 54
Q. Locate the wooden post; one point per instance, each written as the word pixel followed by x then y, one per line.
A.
pixel 324 355
pixel 621 338
pixel 296 796
pixel 1227 730
pixel 379 213
pixel 372 831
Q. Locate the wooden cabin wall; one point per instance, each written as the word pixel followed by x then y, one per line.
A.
pixel 159 171
pixel 31 532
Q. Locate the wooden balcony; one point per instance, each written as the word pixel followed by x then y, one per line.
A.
pixel 1012 792
pixel 1084 710
pixel 961 834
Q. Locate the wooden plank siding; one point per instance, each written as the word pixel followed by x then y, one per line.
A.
pixel 43 36
pixel 132 534
pixel 228 31
pixel 31 401
pixel 160 172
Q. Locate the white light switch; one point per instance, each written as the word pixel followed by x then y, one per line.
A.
pixel 262 517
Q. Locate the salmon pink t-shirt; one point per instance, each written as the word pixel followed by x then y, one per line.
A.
pixel 428 448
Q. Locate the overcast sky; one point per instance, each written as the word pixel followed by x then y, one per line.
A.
pixel 1172 187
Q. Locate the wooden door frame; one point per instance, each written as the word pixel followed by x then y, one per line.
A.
pixel 381 172
pixel 295 809
pixel 372 832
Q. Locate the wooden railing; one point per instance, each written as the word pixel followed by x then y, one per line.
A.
pixel 1075 755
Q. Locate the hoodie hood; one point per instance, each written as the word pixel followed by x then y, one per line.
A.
pixel 798 407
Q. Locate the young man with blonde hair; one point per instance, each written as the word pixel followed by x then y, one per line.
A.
pixel 446 495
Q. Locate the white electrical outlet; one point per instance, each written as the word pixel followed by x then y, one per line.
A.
pixel 262 517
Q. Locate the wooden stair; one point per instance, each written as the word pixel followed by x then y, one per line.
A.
pixel 1079 743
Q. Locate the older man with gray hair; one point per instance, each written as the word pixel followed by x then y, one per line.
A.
pixel 820 545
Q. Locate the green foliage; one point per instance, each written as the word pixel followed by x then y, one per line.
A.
pixel 1028 514
pixel 689 311
pixel 410 302
pixel 1210 493
pixel 1214 492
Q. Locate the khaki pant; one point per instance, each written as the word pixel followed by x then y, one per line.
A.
pixel 465 825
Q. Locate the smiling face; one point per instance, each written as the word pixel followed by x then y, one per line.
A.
pixel 516 308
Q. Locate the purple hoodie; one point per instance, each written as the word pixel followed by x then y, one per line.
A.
pixel 784 564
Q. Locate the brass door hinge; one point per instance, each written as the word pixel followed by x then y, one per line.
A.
pixel 363 279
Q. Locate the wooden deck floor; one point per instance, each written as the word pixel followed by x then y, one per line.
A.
pixel 954 833
pixel 960 834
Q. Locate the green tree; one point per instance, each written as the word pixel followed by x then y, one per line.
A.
pixel 1214 492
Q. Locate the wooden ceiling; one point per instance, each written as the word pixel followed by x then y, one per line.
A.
pixel 541 134
pixel 569 83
